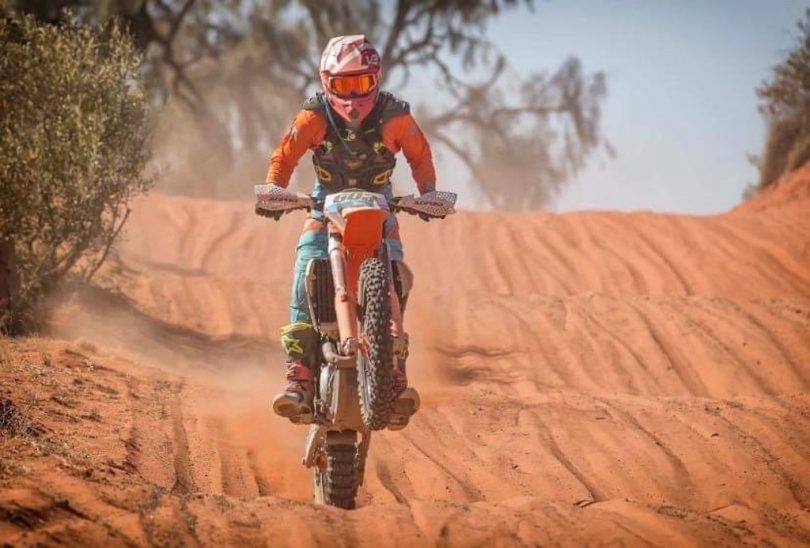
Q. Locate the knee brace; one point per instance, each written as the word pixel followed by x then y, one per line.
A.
pixel 300 340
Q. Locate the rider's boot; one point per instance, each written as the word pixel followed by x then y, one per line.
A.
pixel 296 400
pixel 406 399
pixel 300 344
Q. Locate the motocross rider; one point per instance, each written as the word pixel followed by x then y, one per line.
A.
pixel 354 130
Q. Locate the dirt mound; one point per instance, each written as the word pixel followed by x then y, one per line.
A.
pixel 791 190
pixel 124 454
pixel 587 378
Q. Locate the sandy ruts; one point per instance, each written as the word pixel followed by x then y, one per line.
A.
pixel 587 378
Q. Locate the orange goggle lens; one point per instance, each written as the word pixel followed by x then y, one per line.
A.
pixel 347 86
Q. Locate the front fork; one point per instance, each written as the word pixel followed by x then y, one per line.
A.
pixel 346 302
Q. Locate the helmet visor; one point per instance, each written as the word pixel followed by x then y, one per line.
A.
pixel 352 86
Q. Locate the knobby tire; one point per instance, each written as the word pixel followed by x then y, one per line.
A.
pixel 375 375
pixel 336 483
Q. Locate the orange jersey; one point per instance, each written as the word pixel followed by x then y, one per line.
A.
pixel 309 130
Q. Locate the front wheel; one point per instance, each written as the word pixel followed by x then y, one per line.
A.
pixel 376 359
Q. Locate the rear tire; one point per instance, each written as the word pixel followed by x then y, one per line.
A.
pixel 375 366
pixel 335 481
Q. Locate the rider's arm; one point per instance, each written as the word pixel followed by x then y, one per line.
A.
pixel 403 133
pixel 307 130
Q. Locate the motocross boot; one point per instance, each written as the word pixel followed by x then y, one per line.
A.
pixel 406 399
pixel 300 342
pixel 296 400
pixel 400 381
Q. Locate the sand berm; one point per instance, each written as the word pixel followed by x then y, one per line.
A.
pixel 587 378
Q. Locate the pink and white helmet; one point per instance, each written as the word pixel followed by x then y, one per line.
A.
pixel 350 74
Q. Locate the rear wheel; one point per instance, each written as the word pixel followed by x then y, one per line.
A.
pixel 376 361
pixel 334 477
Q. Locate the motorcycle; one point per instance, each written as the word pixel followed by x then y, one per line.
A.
pixel 356 298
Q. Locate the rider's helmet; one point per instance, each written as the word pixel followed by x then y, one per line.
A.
pixel 350 74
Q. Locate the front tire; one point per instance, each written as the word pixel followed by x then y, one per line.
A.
pixel 376 361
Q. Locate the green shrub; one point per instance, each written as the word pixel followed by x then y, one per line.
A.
pixel 786 106
pixel 74 130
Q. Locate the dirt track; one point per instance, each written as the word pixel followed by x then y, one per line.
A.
pixel 587 378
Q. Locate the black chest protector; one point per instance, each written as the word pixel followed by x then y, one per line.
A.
pixel 355 158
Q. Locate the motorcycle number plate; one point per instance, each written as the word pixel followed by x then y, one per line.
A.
pixel 337 202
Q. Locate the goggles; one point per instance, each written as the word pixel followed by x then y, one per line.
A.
pixel 352 86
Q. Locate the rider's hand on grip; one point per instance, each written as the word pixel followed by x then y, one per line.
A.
pixel 429 195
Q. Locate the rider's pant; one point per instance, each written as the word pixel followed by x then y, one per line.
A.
pixel 312 244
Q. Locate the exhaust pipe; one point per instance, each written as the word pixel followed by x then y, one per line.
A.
pixel 331 356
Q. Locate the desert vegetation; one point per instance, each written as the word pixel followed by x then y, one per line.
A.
pixel 74 130
pixel 786 107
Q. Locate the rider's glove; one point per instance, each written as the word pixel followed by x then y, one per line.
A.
pixel 428 195
pixel 275 215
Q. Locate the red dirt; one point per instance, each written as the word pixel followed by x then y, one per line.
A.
pixel 587 378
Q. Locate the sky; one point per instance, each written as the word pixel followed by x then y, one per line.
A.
pixel 681 109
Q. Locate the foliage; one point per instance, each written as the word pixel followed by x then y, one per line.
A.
pixel 73 145
pixel 786 106
pixel 242 69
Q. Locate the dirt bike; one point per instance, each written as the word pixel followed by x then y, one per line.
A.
pixel 356 298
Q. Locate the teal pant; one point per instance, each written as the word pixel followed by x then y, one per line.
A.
pixel 313 245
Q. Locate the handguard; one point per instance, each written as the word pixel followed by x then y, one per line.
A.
pixel 275 199
pixel 437 204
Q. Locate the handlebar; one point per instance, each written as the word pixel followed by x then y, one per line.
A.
pixel 274 201
pixel 393 205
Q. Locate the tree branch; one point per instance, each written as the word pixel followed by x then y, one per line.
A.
pixel 108 244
